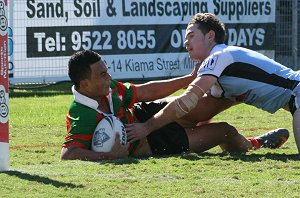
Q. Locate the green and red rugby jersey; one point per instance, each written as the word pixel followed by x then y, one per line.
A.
pixel 84 115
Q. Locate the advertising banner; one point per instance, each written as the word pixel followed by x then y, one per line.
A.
pixel 138 39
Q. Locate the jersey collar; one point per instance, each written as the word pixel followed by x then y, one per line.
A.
pixel 89 102
pixel 82 99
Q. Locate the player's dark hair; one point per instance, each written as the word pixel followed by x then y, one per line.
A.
pixel 79 65
pixel 207 22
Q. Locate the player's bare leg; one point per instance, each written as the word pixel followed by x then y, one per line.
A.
pixel 296 128
pixel 208 136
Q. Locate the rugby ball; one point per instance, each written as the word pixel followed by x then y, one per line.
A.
pixel 105 133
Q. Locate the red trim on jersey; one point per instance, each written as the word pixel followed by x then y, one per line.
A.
pixel 121 88
pixel 134 98
pixel 68 123
pixel 80 137
pixel 134 116
pixel 99 116
pixel 78 144
pixel 121 113
pixel 129 118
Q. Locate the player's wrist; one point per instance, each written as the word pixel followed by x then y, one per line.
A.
pixel 106 156
pixel 150 125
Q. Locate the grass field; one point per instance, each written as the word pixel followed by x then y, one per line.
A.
pixel 37 130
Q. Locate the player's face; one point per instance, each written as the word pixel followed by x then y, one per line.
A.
pixel 197 44
pixel 99 83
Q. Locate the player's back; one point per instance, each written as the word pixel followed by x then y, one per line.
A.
pixel 250 77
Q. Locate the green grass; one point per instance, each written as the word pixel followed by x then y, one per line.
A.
pixel 37 130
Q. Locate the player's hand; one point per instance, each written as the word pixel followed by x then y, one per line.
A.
pixel 136 131
pixel 119 151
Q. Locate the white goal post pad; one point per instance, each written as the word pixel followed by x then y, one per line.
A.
pixel 4 156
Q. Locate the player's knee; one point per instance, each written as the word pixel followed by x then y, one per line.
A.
pixel 230 131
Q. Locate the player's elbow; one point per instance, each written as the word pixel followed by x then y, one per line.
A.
pixel 66 153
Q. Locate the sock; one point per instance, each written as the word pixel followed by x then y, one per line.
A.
pixel 255 143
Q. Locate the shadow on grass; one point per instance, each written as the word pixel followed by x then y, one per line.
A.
pixel 40 179
pixel 252 157
pixel 200 156
pixel 128 160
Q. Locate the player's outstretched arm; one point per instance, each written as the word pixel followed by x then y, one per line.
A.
pixel 76 153
pixel 158 89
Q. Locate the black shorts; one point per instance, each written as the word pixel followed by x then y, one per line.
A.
pixel 292 105
pixel 170 139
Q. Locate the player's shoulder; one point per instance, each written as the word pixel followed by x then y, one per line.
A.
pixel 78 109
pixel 223 51
pixel 219 58
pixel 230 54
pixel 120 85
pixel 240 53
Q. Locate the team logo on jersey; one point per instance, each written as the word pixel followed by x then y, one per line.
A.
pixel 209 63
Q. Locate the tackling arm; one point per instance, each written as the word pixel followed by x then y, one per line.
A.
pixel 181 106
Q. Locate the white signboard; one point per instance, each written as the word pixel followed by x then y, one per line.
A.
pixel 137 38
